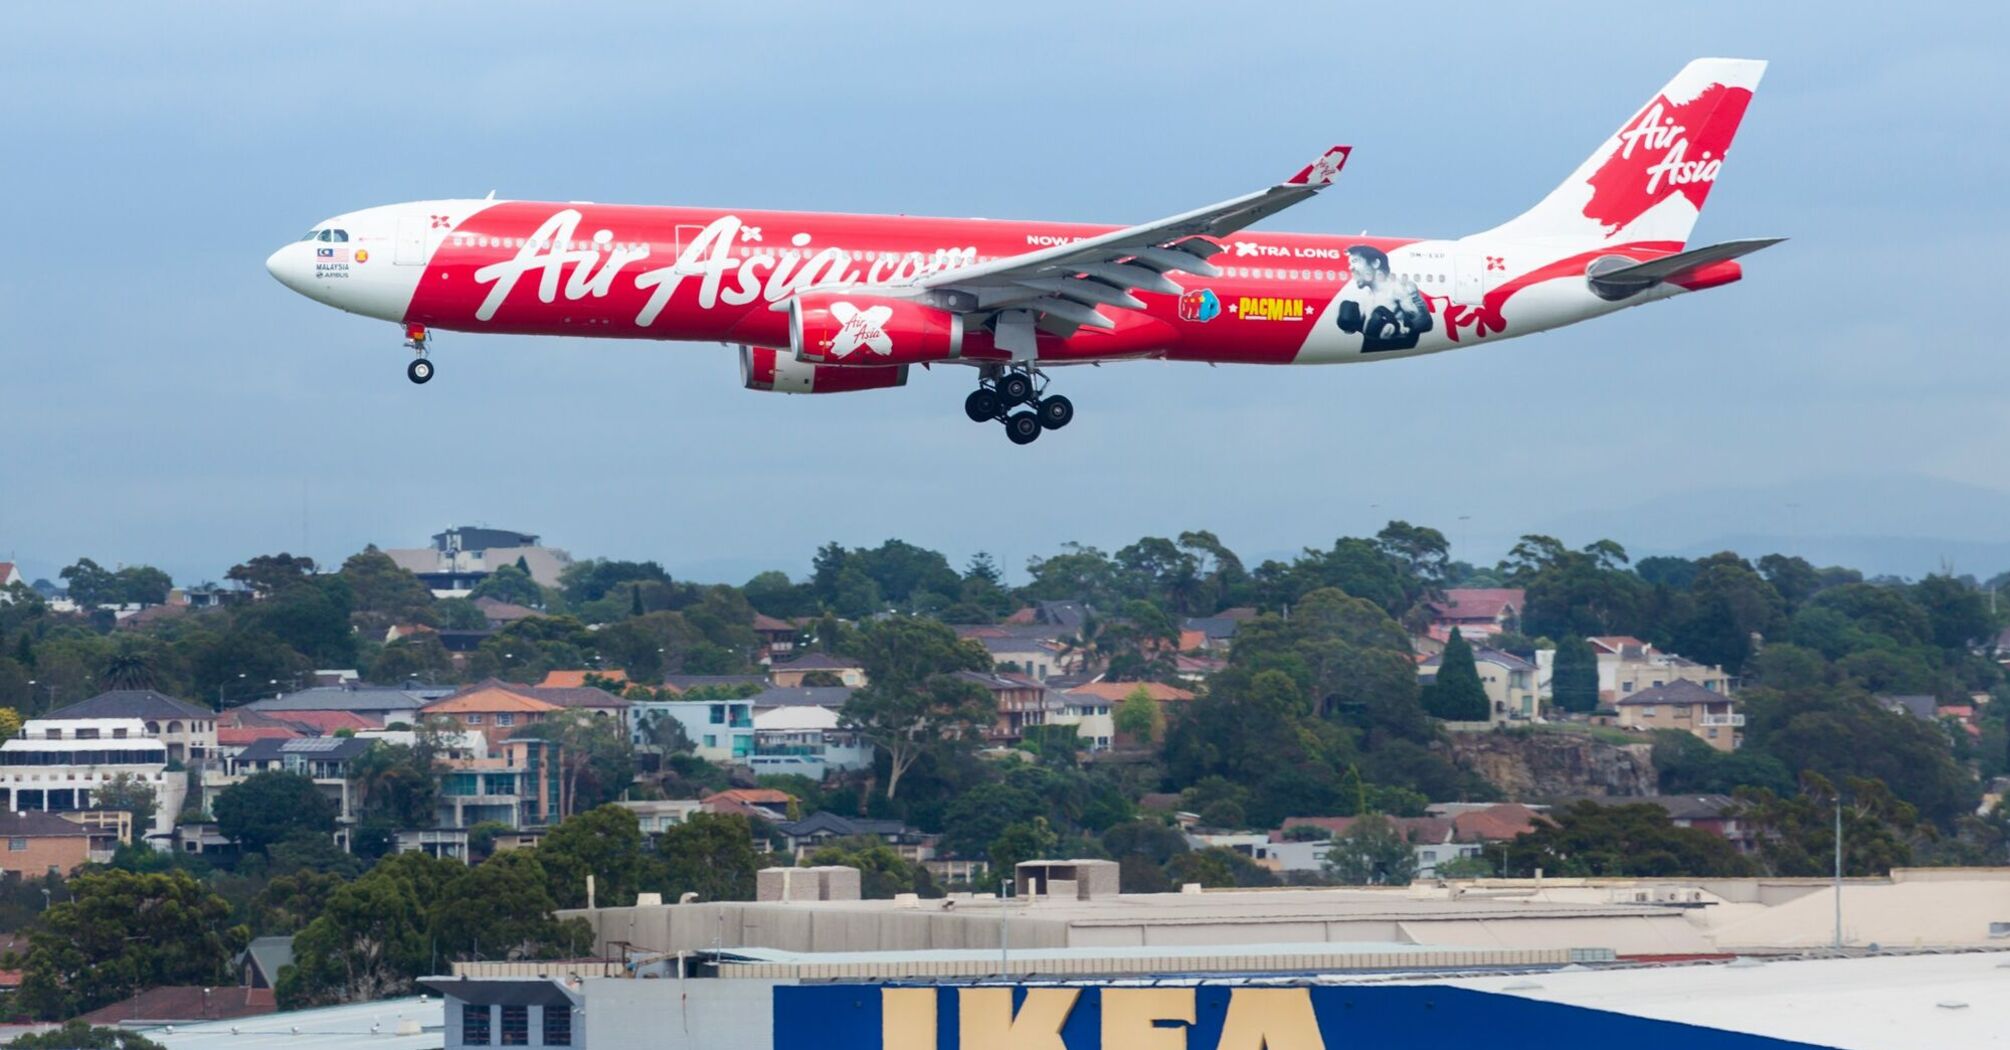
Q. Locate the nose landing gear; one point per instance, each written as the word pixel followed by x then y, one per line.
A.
pixel 1000 393
pixel 421 368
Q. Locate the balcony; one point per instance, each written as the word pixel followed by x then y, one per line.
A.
pixel 1734 721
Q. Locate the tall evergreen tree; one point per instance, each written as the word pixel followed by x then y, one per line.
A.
pixel 1574 679
pixel 1458 695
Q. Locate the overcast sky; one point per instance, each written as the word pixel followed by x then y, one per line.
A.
pixel 163 400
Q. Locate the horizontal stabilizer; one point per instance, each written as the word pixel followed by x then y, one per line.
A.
pixel 1615 276
pixel 1675 267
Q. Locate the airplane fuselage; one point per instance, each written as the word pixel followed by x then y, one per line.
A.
pixel 711 275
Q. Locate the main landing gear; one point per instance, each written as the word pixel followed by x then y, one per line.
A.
pixel 421 368
pixel 1000 396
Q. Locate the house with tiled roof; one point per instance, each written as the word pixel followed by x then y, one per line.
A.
pixel 1117 692
pixel 1710 716
pixel 1022 704
pixel 802 837
pixel 1477 611
pixel 183 1005
pixel 188 729
pixel 764 803
pixel 849 672
pixel 778 638
pixel 1509 681
pixel 576 679
pixel 10 574
pixel 1433 841
pixel 493 709
pixel 40 844
pixel 492 696
pixel 1627 665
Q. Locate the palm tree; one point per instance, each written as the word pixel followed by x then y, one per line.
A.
pixel 131 668
pixel 1090 643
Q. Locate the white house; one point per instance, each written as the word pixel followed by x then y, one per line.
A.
pixel 57 765
pixel 720 730
pixel 806 740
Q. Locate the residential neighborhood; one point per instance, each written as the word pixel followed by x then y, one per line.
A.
pixel 503 710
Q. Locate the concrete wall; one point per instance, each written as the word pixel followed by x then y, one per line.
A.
pixel 651 1013
pixel 807 928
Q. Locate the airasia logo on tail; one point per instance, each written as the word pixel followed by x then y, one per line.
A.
pixel 1670 148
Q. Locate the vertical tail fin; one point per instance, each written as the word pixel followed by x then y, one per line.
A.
pixel 1649 180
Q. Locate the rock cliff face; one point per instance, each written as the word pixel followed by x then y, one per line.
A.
pixel 1533 767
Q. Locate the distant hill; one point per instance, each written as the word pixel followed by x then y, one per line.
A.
pixel 1902 525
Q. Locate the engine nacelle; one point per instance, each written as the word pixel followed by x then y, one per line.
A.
pixel 863 331
pixel 762 368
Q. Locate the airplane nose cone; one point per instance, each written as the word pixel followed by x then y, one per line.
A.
pixel 288 266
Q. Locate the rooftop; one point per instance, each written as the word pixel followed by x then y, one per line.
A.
pixel 132 703
pixel 1678 692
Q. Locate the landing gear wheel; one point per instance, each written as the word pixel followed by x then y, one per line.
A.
pixel 1015 387
pixel 419 371
pixel 1022 427
pixel 1055 412
pixel 982 406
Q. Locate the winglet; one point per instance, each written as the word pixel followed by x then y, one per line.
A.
pixel 1323 171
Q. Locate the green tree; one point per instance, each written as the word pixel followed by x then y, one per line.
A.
pixel 122 932
pixel 1796 833
pixel 913 703
pixel 267 807
pixel 500 909
pixel 1371 852
pixel 1217 867
pixel 289 902
pixel 1728 604
pixel 1842 734
pixel 269 574
pixel 397 782
pixel 1457 695
pixel 882 871
pixel 129 792
pixel 594 751
pixel 1574 678
pixel 1139 717
pixel 77 1035
pixel 507 583
pixel 712 855
pixel 604 842
pixel 417 658
pixel 1587 839
pixel 384 593
pixel 1026 840
pixel 373 938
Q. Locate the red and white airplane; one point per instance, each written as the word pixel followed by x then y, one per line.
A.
pixel 822 303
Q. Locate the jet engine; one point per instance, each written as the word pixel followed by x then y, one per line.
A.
pixel 763 368
pixel 863 331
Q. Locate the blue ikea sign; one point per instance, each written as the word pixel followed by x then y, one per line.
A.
pixel 1212 1017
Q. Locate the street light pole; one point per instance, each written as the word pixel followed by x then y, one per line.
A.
pixel 1839 884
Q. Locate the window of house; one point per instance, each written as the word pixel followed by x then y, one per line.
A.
pixel 557 1026
pixel 515 1026
pixel 16 845
pixel 474 1025
pixel 711 740
pixel 718 714
pixel 504 718
pixel 1647 712
pixel 474 720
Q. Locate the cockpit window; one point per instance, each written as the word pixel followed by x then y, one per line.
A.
pixel 339 236
pixel 312 235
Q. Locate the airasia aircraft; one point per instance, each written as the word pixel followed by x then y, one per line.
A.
pixel 823 304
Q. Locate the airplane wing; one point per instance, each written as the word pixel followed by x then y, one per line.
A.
pixel 1062 289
